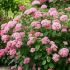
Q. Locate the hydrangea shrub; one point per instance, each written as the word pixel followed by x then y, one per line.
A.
pixel 38 39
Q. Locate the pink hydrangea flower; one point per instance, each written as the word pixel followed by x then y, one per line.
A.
pixel 11 44
pixel 16 36
pixel 18 44
pixel 64 52
pixel 30 11
pixel 18 27
pixel 52 42
pixel 30 42
pixel 11 24
pixel 12 52
pixel 52 9
pixel 26 60
pixel 64 18
pixel 20 68
pixel 48 50
pixel 56 57
pixel 45 40
pixel 46 23
pixel 22 34
pixel 56 20
pixel 39 68
pixel 35 2
pixel 2 52
pixel 53 13
pixel 64 30
pixel 21 8
pixel 0 32
pixel 5 30
pixel 36 24
pixel 42 1
pixel 56 26
pixel 54 47
pixel 68 8
pixel 32 50
pixel 44 6
pixel 37 14
pixel 37 34
pixel 5 38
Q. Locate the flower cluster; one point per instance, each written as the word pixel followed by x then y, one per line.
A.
pixel 11 36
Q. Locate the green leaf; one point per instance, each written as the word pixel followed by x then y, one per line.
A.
pixel 45 67
pixel 37 47
pixel 53 33
pixel 48 59
pixel 11 61
pixel 51 65
pixel 44 62
pixel 26 67
pixel 68 67
pixel 36 57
